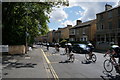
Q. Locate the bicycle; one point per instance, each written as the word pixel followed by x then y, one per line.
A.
pixel 93 58
pixel 109 64
pixel 70 57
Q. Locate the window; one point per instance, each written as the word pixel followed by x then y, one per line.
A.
pixel 107 38
pixel 72 39
pixel 100 17
pixel 81 39
pixel 98 26
pixel 85 39
pixel 72 31
pixel 83 31
pixel 98 37
pixel 110 14
pixel 77 30
pixel 110 25
pixel 101 26
pixel 102 39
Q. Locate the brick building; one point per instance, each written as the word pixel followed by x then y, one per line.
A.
pixel 108 26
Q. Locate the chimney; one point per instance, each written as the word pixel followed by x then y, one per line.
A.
pixel 78 22
pixel 107 7
pixel 69 25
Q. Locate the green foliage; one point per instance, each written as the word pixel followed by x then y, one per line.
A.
pixel 23 21
pixel 21 18
pixel 63 41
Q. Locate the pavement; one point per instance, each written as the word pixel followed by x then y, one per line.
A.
pixel 30 65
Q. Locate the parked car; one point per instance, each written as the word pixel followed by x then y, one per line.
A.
pixel 79 48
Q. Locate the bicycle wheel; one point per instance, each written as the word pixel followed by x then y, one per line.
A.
pixel 87 56
pixel 94 58
pixel 108 66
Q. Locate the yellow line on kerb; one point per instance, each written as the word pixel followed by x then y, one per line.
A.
pixel 50 66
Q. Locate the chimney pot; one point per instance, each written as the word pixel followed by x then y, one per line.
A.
pixel 78 22
pixel 107 7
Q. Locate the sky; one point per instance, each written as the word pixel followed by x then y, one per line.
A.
pixel 77 10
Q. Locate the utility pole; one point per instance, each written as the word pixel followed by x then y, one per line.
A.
pixel 26 34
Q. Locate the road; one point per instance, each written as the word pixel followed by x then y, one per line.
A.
pixel 76 69
pixel 48 66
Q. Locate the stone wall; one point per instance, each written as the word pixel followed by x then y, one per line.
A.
pixel 17 49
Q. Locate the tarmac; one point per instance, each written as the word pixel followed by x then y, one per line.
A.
pixel 30 65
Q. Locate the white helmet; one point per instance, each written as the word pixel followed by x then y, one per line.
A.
pixel 114 46
pixel 90 44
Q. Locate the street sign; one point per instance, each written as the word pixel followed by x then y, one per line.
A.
pixel 3 48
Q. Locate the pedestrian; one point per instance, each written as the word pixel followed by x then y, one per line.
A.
pixel 66 49
pixel 69 49
pixel 57 47
pixel 91 48
pixel 47 46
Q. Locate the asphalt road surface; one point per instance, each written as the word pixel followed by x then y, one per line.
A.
pixel 76 69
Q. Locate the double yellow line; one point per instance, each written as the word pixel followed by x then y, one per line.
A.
pixel 50 67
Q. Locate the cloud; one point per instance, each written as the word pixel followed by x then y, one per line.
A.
pixel 68 22
pixel 90 9
pixel 58 14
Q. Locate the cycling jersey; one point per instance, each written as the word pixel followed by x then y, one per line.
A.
pixel 115 48
pixel 90 48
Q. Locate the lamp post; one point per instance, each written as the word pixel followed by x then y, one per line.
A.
pixel 26 33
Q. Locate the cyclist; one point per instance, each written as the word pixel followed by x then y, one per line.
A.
pixel 47 46
pixel 57 47
pixel 90 50
pixel 69 52
pixel 115 53
pixel 66 49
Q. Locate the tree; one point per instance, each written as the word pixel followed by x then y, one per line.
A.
pixel 21 21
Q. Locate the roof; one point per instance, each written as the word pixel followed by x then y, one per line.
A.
pixel 108 10
pixel 85 24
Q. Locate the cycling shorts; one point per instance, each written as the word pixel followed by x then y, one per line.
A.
pixel 116 55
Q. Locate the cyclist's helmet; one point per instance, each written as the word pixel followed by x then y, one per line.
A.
pixel 114 46
pixel 89 44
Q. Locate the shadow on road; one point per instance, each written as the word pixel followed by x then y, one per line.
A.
pixel 12 61
pixel 86 62
pixel 66 61
pixel 109 76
